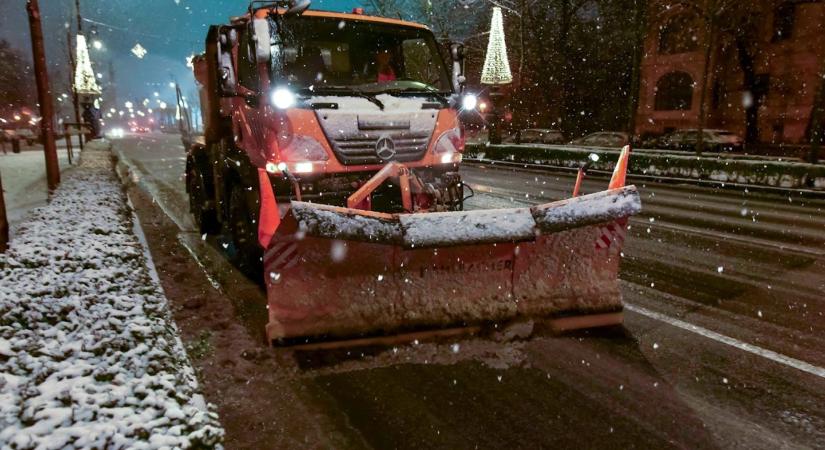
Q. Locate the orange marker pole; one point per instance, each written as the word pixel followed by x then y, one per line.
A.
pixel 620 172
pixel 579 179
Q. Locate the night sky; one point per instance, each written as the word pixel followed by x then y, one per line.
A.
pixel 170 30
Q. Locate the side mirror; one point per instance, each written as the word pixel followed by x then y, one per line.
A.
pixel 226 70
pixel 297 7
pixel 263 43
pixel 457 55
pixel 457 52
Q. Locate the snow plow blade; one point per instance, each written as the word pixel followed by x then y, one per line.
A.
pixel 334 272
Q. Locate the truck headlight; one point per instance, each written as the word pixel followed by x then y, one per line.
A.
pixel 448 158
pixel 303 167
pixel 282 98
pixel 294 148
pixel 450 141
pixel 469 102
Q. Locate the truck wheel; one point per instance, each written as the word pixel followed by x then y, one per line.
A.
pixel 244 230
pixel 205 219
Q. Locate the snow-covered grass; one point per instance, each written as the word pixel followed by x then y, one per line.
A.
pixel 89 356
pixel 24 182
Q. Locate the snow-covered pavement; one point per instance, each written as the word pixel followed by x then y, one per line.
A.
pixel 89 356
pixel 24 182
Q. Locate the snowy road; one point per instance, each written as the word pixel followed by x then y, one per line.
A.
pixel 723 346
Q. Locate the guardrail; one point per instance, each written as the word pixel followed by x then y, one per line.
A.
pixel 723 168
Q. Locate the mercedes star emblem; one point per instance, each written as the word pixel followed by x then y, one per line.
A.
pixel 385 148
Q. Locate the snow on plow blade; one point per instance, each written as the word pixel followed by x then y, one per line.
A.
pixel 340 272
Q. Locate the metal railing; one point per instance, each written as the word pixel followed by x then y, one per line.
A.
pixel 79 127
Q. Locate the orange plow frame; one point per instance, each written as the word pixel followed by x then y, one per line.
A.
pixel 335 272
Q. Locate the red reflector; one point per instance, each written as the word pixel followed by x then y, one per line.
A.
pixel 358 10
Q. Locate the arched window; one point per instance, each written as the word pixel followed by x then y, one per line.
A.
pixel 674 91
pixel 679 35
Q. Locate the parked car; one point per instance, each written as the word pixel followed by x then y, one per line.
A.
pixel 7 135
pixel 10 136
pixel 28 135
pixel 714 140
pixel 536 136
pixel 603 139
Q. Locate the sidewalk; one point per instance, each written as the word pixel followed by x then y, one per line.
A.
pixel 89 356
pixel 24 182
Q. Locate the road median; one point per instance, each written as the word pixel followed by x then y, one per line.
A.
pixel 721 168
pixel 89 355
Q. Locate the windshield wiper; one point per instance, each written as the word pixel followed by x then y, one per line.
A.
pixel 438 95
pixel 345 90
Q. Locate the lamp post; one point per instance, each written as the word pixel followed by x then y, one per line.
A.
pixel 495 73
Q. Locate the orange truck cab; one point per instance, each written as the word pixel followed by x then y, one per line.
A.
pixel 316 103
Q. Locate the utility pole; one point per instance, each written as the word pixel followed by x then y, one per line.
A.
pixel 44 95
pixel 75 102
pixel 75 97
pixel 79 19
pixel 112 84
pixel 4 223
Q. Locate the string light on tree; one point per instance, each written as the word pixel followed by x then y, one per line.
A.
pixel 85 81
pixel 496 72
pixel 496 68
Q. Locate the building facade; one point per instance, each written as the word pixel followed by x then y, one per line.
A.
pixel 764 65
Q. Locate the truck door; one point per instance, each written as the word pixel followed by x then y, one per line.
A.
pixel 248 113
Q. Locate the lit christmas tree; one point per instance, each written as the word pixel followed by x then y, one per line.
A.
pixel 496 67
pixel 85 82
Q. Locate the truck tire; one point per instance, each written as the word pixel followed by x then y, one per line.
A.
pixel 244 231
pixel 205 219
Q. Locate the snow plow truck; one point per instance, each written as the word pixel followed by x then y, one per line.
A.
pixel 330 155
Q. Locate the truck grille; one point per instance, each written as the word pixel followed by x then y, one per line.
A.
pixel 359 148
pixel 354 134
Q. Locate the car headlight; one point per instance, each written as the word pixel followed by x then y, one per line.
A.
pixel 469 102
pixel 282 98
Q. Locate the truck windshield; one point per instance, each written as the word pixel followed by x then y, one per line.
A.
pixel 317 54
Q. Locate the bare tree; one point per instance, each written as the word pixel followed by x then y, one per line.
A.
pixel 638 27
pixel 816 123
pixel 728 19
pixel 15 74
pixel 386 8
